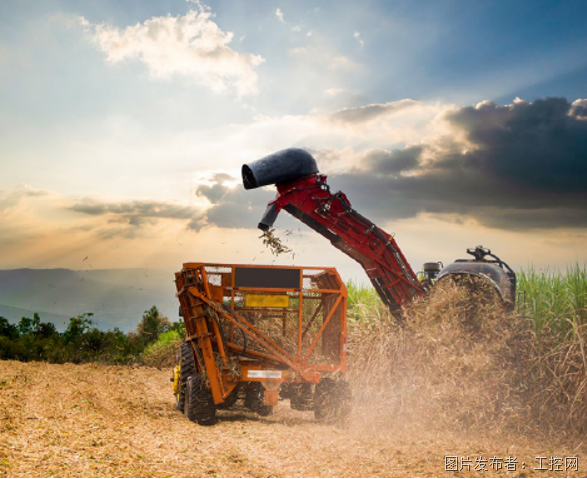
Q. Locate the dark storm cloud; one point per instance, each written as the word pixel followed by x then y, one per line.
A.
pixel 392 162
pixel 137 213
pixel 216 191
pixel 525 167
pixel 239 208
pixel 137 208
pixel 231 208
pixel 385 198
pixel 539 146
pixel 528 169
pixel 369 112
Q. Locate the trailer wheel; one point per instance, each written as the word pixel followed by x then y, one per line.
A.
pixel 332 400
pixel 302 398
pixel 254 397
pixel 187 369
pixel 231 399
pixel 199 405
pixel 265 411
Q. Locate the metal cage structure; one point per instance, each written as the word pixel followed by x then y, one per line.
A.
pixel 268 324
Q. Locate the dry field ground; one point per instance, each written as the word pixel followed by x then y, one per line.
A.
pixel 94 420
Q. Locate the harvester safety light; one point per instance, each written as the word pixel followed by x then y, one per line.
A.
pixel 267 301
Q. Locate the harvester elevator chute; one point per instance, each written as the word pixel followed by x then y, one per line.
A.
pixel 304 193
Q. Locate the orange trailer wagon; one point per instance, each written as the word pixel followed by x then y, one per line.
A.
pixel 260 334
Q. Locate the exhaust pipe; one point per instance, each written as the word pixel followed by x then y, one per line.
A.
pixel 281 167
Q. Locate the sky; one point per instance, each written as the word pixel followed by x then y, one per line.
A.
pixel 124 125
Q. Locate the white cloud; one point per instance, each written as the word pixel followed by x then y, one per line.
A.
pixel 84 23
pixel 370 112
pixel 579 109
pixel 190 45
pixel 279 15
pixel 298 51
pixel 310 33
pixel 353 130
pixel 10 200
pixel 357 35
pixel 483 103
pixel 296 29
pixel 343 63
pixel 333 91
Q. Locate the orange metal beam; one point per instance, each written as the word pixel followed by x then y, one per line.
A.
pixel 194 291
pixel 246 328
pixel 205 345
pixel 328 318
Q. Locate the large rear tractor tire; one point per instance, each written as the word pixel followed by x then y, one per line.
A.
pixel 187 368
pixel 199 405
pixel 332 401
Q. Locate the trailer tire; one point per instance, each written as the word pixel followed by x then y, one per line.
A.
pixel 264 411
pixel 188 368
pixel 199 405
pixel 332 400
pixel 302 398
pixel 254 398
pixel 231 399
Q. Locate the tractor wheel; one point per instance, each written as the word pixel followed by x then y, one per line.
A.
pixel 199 405
pixel 332 400
pixel 254 398
pixel 187 369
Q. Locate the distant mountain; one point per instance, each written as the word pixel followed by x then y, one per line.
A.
pixel 117 297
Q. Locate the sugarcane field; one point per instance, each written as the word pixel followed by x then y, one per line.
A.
pixel 293 239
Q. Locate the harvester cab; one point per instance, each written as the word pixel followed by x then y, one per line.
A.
pixel 429 273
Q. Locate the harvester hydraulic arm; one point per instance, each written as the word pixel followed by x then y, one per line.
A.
pixel 304 193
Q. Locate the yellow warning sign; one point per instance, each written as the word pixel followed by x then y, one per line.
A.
pixel 267 301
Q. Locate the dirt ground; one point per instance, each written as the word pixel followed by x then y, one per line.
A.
pixel 94 420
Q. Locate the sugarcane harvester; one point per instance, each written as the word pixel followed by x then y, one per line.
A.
pixel 304 193
pixel 263 333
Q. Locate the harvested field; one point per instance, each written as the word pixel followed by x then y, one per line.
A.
pixel 96 420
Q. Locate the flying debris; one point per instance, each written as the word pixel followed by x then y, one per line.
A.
pixel 274 243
